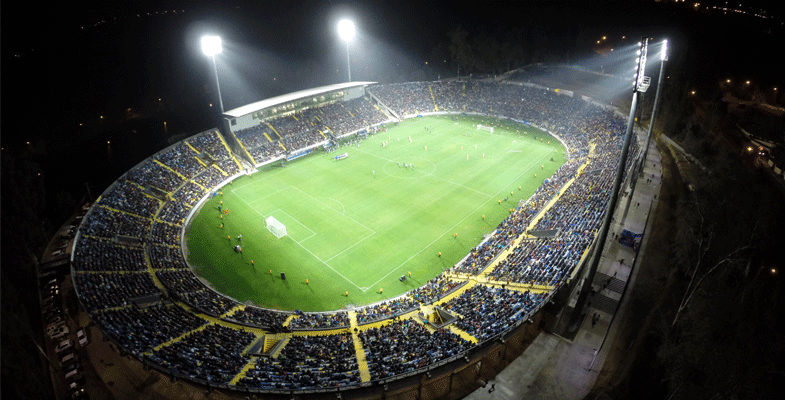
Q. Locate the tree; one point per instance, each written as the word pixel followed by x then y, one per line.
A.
pixel 718 339
pixel 461 50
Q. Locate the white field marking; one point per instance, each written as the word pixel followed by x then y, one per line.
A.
pixel 298 221
pixel 313 234
pixel 430 174
pixel 265 196
pixel 343 212
pixel 458 223
pixel 327 265
pixel 282 211
pixel 318 201
pixel 355 244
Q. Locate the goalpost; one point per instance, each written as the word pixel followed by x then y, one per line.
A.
pixel 481 127
pixel 275 227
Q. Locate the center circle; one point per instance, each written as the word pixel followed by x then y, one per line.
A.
pixel 409 168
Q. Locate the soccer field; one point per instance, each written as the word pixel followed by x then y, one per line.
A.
pixel 358 224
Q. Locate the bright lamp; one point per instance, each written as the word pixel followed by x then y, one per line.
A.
pixel 211 45
pixel 346 30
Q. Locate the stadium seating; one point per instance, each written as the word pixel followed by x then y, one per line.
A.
pixel 129 247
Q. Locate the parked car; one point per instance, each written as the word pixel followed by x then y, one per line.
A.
pixel 68 358
pixel 82 337
pixel 78 394
pixel 55 325
pixel 54 317
pixel 51 291
pixel 73 386
pixel 72 366
pixel 64 345
pixel 70 374
pixel 61 334
pixel 57 332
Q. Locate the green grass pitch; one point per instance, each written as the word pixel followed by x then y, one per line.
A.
pixel 357 225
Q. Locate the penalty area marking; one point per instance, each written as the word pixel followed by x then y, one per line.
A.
pixel 313 234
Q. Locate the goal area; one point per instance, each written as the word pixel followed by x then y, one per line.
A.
pixel 481 127
pixel 275 227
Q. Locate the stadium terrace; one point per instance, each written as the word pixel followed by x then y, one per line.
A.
pixel 132 276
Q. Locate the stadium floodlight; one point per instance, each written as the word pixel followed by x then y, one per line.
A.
pixel 641 83
pixel 664 51
pixel 602 234
pixel 346 33
pixel 211 45
pixel 663 58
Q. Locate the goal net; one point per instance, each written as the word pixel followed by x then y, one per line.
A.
pixel 484 128
pixel 275 227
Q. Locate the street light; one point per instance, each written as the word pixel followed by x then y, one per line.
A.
pixel 346 33
pixel 211 45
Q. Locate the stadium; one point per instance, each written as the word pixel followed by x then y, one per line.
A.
pixel 131 273
pixel 475 223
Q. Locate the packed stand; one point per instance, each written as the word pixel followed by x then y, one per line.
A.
pixel 488 311
pixel 99 254
pixel 141 330
pixel 213 354
pixel 405 346
pixel 319 320
pixel 307 362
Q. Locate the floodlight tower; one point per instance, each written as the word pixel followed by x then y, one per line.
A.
pixel 346 33
pixel 639 85
pixel 211 45
pixel 663 58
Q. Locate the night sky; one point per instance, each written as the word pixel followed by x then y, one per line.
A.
pixel 90 83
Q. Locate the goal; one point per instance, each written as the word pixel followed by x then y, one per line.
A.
pixel 484 128
pixel 275 227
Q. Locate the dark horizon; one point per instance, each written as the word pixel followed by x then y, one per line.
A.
pixel 105 77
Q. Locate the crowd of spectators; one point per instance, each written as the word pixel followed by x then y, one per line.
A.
pixel 387 309
pixel 486 311
pixel 213 354
pixel 306 128
pixel 99 254
pixel 260 317
pixel 99 291
pixel 140 330
pixel 125 196
pixel 319 320
pixel 108 223
pixel 110 274
pixel 209 143
pixel 307 362
pixel 405 346
pixel 152 174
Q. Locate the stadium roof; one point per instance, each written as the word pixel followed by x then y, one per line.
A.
pixel 286 98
